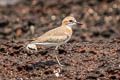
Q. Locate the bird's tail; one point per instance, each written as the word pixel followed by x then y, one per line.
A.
pixel 30 46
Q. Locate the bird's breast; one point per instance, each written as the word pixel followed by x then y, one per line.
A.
pixel 69 31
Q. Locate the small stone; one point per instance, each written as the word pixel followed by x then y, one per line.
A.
pixel 53 17
pixel 32 28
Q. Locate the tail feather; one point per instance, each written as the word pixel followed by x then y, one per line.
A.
pixel 30 45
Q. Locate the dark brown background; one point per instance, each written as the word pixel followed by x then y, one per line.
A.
pixel 92 53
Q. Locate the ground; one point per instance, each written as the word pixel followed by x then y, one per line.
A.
pixel 93 53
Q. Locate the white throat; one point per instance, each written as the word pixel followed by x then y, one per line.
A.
pixel 69 26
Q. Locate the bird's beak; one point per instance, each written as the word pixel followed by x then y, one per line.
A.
pixel 78 23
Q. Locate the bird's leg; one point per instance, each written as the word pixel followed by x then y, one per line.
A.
pixel 56 48
pixel 57 57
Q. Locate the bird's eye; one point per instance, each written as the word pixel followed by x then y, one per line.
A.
pixel 70 20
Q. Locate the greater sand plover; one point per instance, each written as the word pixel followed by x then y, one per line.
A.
pixel 55 37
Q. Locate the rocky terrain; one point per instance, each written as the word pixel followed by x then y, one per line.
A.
pixel 93 53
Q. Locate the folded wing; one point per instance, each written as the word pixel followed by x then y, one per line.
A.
pixel 56 35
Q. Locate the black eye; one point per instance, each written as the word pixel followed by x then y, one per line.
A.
pixel 70 20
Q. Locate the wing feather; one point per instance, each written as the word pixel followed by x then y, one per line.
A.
pixel 55 35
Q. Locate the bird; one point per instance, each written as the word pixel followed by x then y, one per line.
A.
pixel 55 37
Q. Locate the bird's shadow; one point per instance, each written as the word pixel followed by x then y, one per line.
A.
pixel 43 64
pixel 36 65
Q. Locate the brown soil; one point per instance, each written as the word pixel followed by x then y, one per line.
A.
pixel 93 53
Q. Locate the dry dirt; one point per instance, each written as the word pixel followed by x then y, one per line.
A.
pixel 93 53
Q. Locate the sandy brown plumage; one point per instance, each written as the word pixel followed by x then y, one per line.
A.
pixel 55 37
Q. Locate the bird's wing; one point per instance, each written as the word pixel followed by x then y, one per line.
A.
pixel 56 35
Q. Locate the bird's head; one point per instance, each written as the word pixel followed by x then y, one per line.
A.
pixel 70 21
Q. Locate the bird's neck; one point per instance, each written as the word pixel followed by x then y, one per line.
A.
pixel 68 28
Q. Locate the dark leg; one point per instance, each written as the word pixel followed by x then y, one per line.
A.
pixel 57 57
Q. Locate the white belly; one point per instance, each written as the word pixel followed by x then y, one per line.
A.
pixel 46 44
pixel 52 44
